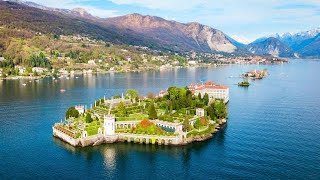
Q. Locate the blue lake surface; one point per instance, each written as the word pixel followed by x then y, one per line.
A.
pixel 273 130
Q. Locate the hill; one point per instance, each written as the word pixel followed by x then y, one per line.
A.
pixel 133 29
pixel 270 46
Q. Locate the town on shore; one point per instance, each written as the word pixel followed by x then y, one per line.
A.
pixel 53 55
pixel 177 116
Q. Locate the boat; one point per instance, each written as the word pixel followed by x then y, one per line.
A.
pixel 24 84
pixel 62 90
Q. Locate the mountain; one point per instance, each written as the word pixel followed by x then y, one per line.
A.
pixel 304 43
pixel 270 46
pixel 190 36
pixel 295 40
pixel 310 47
pixel 133 29
pixel 17 15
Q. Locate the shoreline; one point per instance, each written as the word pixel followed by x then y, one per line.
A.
pixel 81 72
pixel 100 139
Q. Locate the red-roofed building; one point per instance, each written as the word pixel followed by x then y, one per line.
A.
pixel 215 91
pixel 162 93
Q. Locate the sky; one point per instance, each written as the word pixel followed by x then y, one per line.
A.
pixel 244 20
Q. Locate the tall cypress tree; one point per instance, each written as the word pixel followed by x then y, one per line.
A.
pixel 152 111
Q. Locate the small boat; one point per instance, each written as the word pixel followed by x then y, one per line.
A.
pixel 67 77
pixel 77 77
pixel 62 90
pixel 24 84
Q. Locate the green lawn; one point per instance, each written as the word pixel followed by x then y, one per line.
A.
pixel 92 128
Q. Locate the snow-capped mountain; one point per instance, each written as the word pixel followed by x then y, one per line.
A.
pixel 304 43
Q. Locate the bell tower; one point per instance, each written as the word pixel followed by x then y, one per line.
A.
pixel 109 125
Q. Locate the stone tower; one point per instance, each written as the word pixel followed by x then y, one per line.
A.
pixel 109 125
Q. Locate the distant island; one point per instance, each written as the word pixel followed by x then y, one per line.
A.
pixel 177 116
pixel 255 74
pixel 244 83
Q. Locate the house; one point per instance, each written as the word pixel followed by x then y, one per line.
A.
pixel 2 59
pixel 21 69
pixel 63 71
pixel 39 70
pixel 162 93
pixel 80 109
pixel 200 112
pixel 215 91
pixel 192 62
pixel 91 62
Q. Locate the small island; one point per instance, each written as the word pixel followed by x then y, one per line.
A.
pixel 255 74
pixel 244 84
pixel 178 116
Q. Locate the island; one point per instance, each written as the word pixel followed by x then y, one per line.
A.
pixel 244 83
pixel 177 116
pixel 255 74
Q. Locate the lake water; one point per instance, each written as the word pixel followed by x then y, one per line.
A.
pixel 273 129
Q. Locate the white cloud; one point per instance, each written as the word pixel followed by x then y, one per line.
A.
pixel 251 18
pixel 164 4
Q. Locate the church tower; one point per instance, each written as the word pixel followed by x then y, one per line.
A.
pixel 109 125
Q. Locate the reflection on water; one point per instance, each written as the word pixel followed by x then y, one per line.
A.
pixel 109 157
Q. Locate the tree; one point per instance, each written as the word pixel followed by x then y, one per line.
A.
pixel 173 93
pixel 221 110
pixel 133 94
pixel 88 118
pixel 186 125
pixel 211 111
pixel 150 95
pixel 197 124
pixel 199 96
pixel 152 111
pixel 122 112
pixel 201 122
pixel 206 99
pixel 72 112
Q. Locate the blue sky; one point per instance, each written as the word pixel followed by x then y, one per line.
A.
pixel 245 20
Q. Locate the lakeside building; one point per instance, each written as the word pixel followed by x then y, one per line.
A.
pixel 80 109
pixel 215 91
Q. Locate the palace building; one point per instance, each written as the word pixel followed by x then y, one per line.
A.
pixel 215 91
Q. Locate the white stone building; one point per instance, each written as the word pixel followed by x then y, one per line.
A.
pixel 192 62
pixel 80 109
pixel 21 69
pixel 91 62
pixel 200 112
pixel 109 125
pixel 39 70
pixel 215 91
